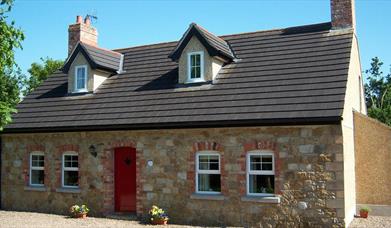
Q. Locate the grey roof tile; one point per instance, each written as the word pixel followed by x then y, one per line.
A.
pixel 282 75
pixel 97 57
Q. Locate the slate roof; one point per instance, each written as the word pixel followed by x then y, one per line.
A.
pixel 97 57
pixel 214 44
pixel 286 76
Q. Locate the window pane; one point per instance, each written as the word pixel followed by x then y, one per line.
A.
pixel 71 161
pixel 208 162
pixel 193 73
pixel 41 163
pixel 197 60
pixel 267 166
pixel 195 66
pixel 214 166
pixel 203 166
pixel 198 72
pixel 81 78
pixel 203 158
pixel 37 177
pixel 261 184
pixel 209 182
pixel 37 161
pixel 261 162
pixel 267 158
pixel 71 178
pixel 255 166
pixel 255 158
pixel 255 162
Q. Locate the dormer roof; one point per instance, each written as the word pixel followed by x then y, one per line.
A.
pixel 215 45
pixel 97 57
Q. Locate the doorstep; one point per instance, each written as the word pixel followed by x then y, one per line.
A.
pixel 123 216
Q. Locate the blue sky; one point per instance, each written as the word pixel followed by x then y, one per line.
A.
pixel 124 23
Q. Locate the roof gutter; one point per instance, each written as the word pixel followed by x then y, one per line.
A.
pixel 183 125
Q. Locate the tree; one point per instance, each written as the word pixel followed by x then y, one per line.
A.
pixel 39 72
pixel 378 92
pixel 10 79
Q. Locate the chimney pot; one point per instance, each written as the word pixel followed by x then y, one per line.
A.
pixel 79 19
pixel 87 20
pixel 81 32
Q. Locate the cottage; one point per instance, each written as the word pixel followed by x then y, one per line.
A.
pixel 241 129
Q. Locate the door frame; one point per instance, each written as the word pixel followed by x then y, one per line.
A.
pixel 136 176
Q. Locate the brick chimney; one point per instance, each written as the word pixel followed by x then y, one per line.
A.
pixel 81 31
pixel 343 14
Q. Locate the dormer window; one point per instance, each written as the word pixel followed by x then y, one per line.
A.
pixel 81 78
pixel 195 67
pixel 200 55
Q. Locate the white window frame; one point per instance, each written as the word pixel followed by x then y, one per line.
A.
pixel 198 171
pixel 76 90
pixel 63 169
pixel 192 80
pixel 36 168
pixel 258 172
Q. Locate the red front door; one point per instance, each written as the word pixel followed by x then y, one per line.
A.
pixel 125 179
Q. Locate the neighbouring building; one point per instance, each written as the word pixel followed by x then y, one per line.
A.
pixel 244 129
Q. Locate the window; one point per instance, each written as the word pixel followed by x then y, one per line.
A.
pixel 260 173
pixel 37 169
pixel 208 173
pixel 195 66
pixel 70 170
pixel 80 78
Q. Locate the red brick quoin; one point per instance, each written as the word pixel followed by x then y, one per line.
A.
pixel 260 145
pixel 26 162
pixel 206 146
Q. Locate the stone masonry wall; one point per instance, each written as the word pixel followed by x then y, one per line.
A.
pixel 309 178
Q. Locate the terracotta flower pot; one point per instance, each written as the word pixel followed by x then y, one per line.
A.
pixel 159 222
pixel 364 214
pixel 80 215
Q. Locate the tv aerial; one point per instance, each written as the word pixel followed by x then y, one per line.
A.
pixel 93 17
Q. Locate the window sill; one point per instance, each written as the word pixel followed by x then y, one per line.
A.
pixel 68 190
pixel 79 92
pixel 207 196
pixel 35 188
pixel 262 199
pixel 194 81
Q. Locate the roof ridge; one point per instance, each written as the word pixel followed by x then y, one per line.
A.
pixel 100 48
pixel 275 29
pixel 146 45
pixel 206 31
pixel 225 35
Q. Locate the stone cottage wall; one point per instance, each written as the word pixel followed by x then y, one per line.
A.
pixel 309 178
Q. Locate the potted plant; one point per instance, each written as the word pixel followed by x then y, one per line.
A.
pixel 158 216
pixel 79 211
pixel 364 212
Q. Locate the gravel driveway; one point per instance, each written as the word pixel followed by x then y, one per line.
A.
pixel 371 222
pixel 13 219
